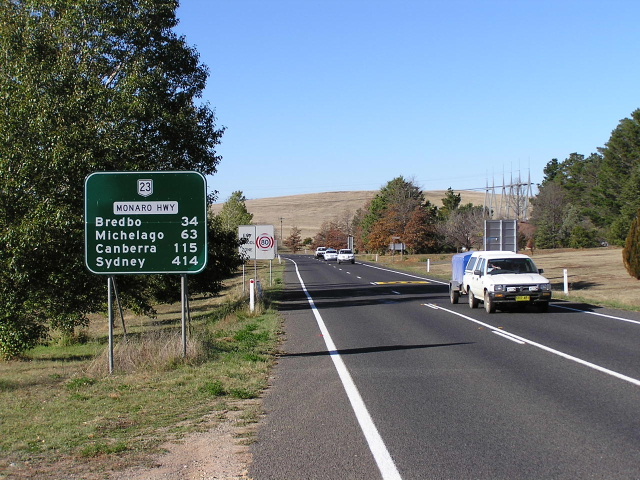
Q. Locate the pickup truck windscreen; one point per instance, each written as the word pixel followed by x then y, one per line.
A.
pixel 498 266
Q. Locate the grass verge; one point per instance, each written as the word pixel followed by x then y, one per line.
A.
pixel 60 408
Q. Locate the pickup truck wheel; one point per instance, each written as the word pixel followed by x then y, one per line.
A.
pixel 454 295
pixel 489 304
pixel 473 301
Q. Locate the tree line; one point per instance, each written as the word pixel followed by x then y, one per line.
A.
pixel 584 201
pixel 399 213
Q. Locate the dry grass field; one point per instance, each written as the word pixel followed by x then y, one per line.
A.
pixel 308 212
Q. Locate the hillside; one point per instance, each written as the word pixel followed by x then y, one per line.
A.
pixel 309 211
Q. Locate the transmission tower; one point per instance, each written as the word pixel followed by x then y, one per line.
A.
pixel 514 201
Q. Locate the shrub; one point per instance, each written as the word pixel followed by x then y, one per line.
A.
pixel 631 250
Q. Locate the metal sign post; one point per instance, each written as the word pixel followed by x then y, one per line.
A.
pixel 185 303
pixel 110 302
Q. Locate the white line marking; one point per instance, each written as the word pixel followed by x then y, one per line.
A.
pixel 406 274
pixel 393 291
pixel 376 444
pixel 598 314
pixel 507 336
pixel 626 378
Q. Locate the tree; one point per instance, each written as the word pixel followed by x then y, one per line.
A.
pixel 548 215
pixel 450 203
pixel 620 159
pixel 383 232
pixel 399 197
pixel 234 212
pixel 464 228
pixel 420 233
pixel 86 86
pixel 332 235
pixel 294 240
pixel 631 250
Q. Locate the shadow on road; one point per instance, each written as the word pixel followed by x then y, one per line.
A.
pixel 384 348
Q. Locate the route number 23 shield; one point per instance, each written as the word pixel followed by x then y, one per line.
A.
pixel 145 187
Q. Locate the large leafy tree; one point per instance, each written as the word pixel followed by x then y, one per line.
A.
pixel 86 85
pixel 393 205
pixel 420 233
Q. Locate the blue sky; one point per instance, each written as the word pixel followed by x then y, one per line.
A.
pixel 333 95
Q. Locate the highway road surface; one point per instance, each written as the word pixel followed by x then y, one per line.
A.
pixel 381 377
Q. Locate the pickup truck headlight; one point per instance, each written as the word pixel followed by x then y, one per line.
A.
pixel 545 287
pixel 498 288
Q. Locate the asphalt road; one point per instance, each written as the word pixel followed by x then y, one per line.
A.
pixel 380 378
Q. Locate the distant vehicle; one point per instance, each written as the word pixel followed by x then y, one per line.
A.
pixel 330 254
pixel 320 252
pixel 346 255
pixel 501 279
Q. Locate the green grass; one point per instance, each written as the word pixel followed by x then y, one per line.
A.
pixel 62 403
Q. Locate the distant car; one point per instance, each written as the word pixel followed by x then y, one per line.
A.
pixel 320 252
pixel 330 254
pixel 346 255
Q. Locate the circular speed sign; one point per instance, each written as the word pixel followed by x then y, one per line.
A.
pixel 265 242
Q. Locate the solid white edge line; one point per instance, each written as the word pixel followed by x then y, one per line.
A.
pixel 379 450
pixel 597 314
pixel 613 373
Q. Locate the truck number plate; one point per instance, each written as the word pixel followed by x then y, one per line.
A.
pixel 523 298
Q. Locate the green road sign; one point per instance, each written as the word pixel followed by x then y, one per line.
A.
pixel 145 222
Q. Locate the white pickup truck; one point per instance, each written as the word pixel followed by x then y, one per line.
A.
pixel 500 279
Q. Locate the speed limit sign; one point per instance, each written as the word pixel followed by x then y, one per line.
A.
pixel 258 242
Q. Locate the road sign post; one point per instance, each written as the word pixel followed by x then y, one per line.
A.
pixel 146 223
pixel 257 243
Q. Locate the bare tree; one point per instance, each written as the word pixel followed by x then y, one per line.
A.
pixel 464 228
